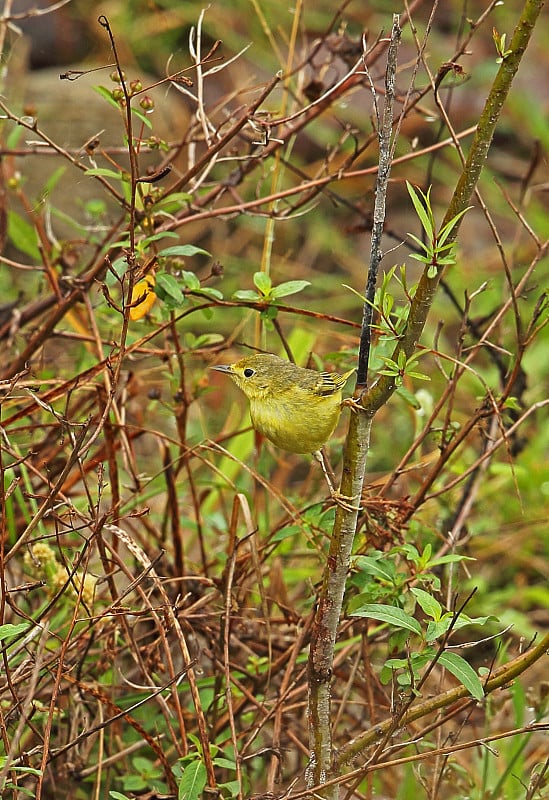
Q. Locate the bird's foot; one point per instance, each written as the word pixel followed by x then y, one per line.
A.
pixel 353 403
pixel 343 500
pixel 346 502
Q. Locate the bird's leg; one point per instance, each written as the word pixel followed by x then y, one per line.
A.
pixel 326 467
pixel 345 502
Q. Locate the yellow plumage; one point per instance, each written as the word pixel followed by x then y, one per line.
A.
pixel 295 408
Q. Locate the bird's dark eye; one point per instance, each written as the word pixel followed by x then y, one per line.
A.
pixel 248 372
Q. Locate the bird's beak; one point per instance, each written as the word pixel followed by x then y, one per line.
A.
pixel 223 368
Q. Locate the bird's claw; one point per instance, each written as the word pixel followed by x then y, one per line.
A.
pixel 343 500
pixel 353 403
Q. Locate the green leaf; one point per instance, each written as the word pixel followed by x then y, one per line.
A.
pixel 183 250
pixel 225 763
pixel 285 533
pixel 22 770
pixel 512 403
pixel 390 364
pixel 144 766
pixel 23 236
pixel 173 201
pixel 464 621
pixel 133 783
pixel 354 291
pixel 95 207
pixel 409 397
pixel 289 287
pixel 438 628
pixel 387 305
pixel 141 116
pixel 447 260
pixel 420 376
pixel 463 671
pixel 422 209
pixel 207 291
pixel 119 267
pixel 106 94
pixel 423 259
pixel 425 247
pixel 389 614
pixel 170 287
pixel 268 314
pixel 14 137
pixel 416 356
pixel 428 603
pixel 191 280
pixel 379 568
pixel 9 630
pixel 104 172
pixel 246 294
pixel 450 559
pixel 396 663
pixel 156 237
pixel 53 180
pixel 118 795
pixel 263 282
pixel 193 782
pixel 233 788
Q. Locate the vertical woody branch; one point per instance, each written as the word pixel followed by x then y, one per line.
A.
pixel 335 574
pixel 385 128
pixel 322 766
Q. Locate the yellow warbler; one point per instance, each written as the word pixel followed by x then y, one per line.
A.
pixel 295 408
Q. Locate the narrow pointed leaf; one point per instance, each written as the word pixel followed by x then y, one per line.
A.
pixel 183 250
pixel 464 672
pixel 389 614
pixel 421 211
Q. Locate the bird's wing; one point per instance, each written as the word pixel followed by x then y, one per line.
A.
pixel 330 382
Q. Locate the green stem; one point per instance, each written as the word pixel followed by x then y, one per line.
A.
pixel 501 677
pixel 427 287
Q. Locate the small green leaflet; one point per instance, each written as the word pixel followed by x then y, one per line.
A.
pixel 23 236
pixel 104 173
pixel 288 287
pixel 428 603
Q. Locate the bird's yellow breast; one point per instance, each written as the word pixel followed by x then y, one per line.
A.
pixel 297 421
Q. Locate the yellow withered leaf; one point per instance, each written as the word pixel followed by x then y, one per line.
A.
pixel 143 298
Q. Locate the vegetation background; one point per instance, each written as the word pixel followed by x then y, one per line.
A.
pixel 161 566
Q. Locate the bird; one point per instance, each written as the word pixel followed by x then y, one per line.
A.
pixel 295 408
